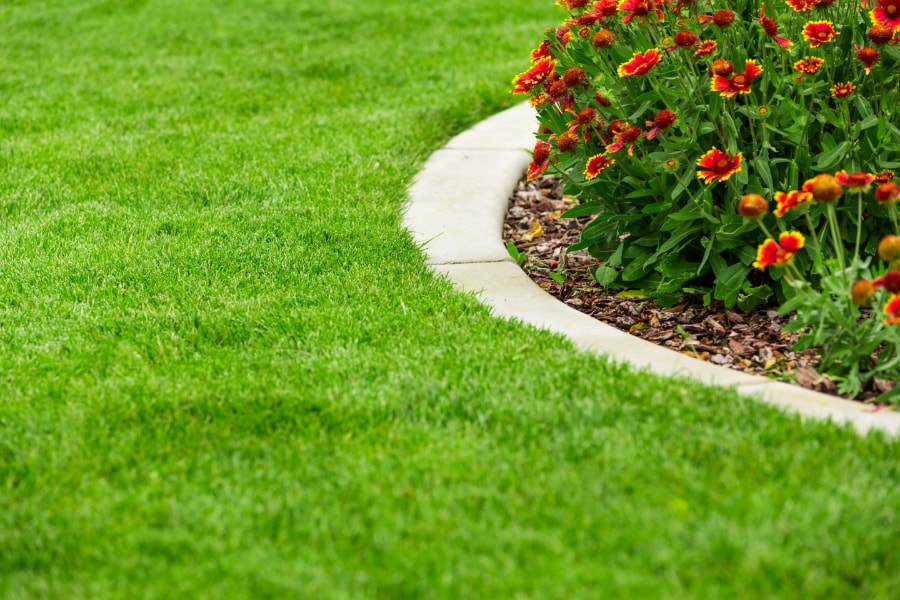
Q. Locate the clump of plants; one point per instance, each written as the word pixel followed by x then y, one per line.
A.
pixel 664 116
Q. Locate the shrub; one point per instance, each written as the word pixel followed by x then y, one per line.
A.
pixel 661 115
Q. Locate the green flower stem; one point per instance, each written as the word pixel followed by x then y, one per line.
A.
pixel 836 237
pixel 817 244
pixel 859 215
pixel 752 126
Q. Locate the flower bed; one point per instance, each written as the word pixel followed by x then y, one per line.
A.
pixel 677 122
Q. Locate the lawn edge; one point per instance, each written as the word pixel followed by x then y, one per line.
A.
pixel 459 228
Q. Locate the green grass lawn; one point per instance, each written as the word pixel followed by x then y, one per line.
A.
pixel 226 373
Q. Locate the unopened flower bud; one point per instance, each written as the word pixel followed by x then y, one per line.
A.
pixel 824 188
pixel 861 291
pixel 753 206
pixel 889 248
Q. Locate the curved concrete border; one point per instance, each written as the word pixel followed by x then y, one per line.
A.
pixel 491 158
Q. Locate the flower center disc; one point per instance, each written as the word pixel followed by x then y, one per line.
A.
pixel 739 80
pixel 823 35
pixel 722 163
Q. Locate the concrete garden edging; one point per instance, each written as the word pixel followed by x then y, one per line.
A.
pixel 492 157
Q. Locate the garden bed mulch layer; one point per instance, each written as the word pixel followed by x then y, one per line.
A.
pixel 749 341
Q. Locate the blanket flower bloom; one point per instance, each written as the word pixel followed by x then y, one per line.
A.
pixel 596 165
pixel 856 182
pixel 868 56
pixel 541 70
pixel 771 253
pixel 892 310
pixel 887 14
pixel 718 165
pixel 789 200
pixel 819 32
pixel 639 8
pixel 809 65
pixel 705 48
pixel 801 5
pixel 739 82
pixel 639 64
pixel 842 90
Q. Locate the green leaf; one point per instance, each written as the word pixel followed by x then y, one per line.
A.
pixel 829 159
pixel 605 275
pixel 729 284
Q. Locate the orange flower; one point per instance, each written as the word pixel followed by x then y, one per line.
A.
pixel 858 182
pixel 809 65
pixel 823 187
pixel 662 121
pixel 739 82
pixel 861 291
pixel 771 252
pixel 536 74
pixel 790 200
pixel 887 14
pixel 892 309
pixel 842 90
pixel 705 48
pixel 819 32
pixel 603 39
pixel 719 165
pixel 753 206
pixel 596 165
pixel 889 248
pixel 629 135
pixel 639 63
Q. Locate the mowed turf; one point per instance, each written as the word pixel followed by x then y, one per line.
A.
pixel 226 373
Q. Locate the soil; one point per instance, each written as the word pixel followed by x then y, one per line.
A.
pixel 749 341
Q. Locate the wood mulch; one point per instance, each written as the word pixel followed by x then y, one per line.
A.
pixel 752 342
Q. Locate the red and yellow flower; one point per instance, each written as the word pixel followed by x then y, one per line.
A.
pixel 842 90
pixel 892 310
pixel 857 182
pixel 596 165
pixel 809 65
pixel 739 82
pixel 718 165
pixel 801 5
pixel 789 200
pixel 640 63
pixel 887 13
pixel 539 72
pixel 706 47
pixel 819 32
pixel 771 253
pixel 640 8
